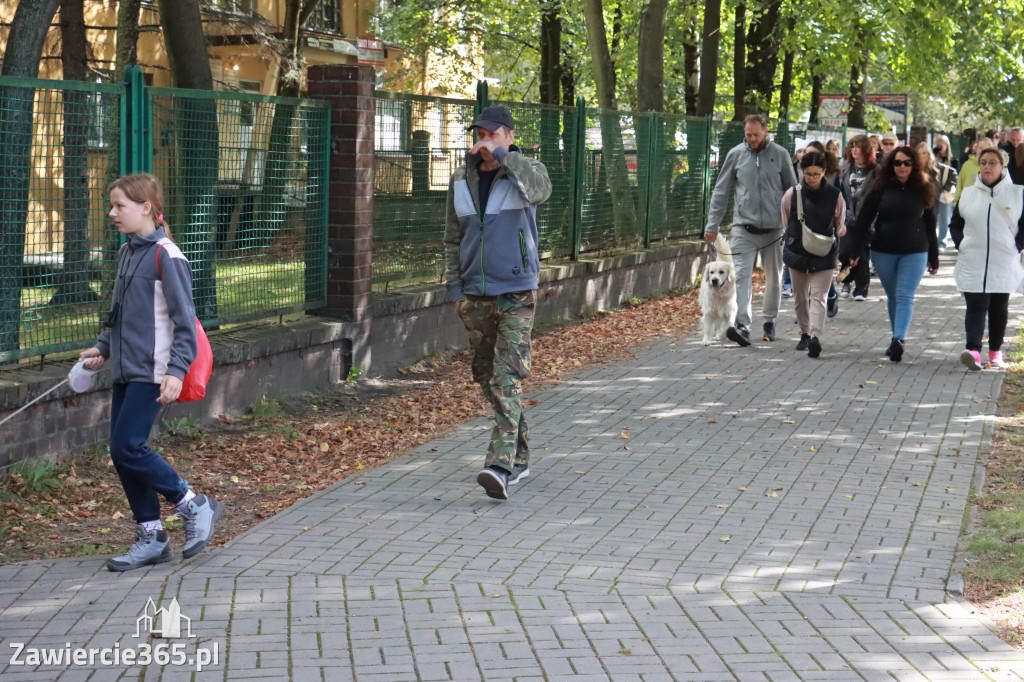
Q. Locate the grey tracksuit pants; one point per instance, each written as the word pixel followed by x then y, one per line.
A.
pixel 745 247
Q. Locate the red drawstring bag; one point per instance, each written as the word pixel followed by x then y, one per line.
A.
pixel 193 386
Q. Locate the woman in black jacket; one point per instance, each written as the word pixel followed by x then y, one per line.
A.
pixel 900 203
pixel 823 209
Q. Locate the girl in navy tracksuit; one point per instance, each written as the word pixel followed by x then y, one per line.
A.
pixel 150 340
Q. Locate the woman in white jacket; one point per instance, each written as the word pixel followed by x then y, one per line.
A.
pixel 988 231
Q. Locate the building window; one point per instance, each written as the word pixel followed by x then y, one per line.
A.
pixel 326 17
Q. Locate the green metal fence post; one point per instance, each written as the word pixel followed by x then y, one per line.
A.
pixel 652 122
pixel 135 99
pixel 482 96
pixel 705 194
pixel 146 127
pixel 578 166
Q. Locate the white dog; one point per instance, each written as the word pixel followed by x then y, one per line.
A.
pixel 718 294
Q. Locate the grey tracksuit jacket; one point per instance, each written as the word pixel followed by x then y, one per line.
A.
pixel 494 251
pixel 761 178
pixel 155 330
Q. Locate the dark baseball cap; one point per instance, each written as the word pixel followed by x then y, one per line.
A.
pixel 492 118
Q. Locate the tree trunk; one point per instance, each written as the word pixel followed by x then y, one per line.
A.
pixel 856 117
pixel 650 86
pixel 786 88
pixel 762 56
pixel 650 68
pixel 25 41
pixel 691 70
pixel 710 38
pixel 125 55
pixel 550 51
pixel 270 205
pixel 568 77
pixel 613 158
pixel 739 58
pixel 817 83
pixel 127 37
pixel 74 281
pixel 196 133
pixel 603 69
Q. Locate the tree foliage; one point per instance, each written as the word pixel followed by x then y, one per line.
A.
pixel 959 63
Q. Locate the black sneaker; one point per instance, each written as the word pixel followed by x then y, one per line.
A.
pixel 804 340
pixel 494 481
pixel 519 472
pixel 738 334
pixel 896 348
pixel 769 331
pixel 832 308
pixel 845 292
pixel 814 347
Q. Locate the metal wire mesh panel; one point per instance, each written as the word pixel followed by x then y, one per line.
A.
pixel 60 145
pixel 678 163
pixel 245 190
pixel 724 136
pixel 548 133
pixel 419 142
pixel 613 210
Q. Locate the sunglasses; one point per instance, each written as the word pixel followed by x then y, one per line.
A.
pixel 888 143
pixel 908 163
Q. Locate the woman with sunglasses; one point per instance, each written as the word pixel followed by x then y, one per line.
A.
pixel 900 202
pixel 988 231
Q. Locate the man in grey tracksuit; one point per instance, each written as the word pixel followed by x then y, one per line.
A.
pixel 761 171
pixel 491 268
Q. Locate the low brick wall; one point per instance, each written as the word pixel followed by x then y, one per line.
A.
pixel 316 352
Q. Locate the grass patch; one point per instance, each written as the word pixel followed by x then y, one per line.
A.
pixel 998 546
pixel 994 554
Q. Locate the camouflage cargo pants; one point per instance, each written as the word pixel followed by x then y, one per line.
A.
pixel 500 338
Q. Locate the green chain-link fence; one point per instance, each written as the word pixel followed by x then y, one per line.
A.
pixel 60 144
pixel 419 142
pixel 550 134
pixel 245 195
pixel 245 184
pixel 619 179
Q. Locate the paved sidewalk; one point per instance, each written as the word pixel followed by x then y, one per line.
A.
pixel 768 517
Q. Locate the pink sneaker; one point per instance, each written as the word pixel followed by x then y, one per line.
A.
pixel 995 359
pixel 971 359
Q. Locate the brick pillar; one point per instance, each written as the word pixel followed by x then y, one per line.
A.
pixel 349 90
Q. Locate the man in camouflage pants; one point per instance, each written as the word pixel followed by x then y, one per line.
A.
pixel 492 263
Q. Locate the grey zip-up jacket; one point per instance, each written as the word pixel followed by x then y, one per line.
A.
pixel 495 251
pixel 155 330
pixel 761 178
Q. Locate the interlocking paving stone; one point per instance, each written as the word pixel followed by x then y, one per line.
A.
pixel 768 517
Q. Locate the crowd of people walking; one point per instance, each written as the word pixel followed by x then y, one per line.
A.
pixel 886 209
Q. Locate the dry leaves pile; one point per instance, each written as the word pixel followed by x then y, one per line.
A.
pixel 260 464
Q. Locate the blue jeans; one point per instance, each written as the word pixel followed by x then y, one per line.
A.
pixel 143 473
pixel 900 274
pixel 944 214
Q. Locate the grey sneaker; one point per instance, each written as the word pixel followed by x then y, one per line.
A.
pixel 519 472
pixel 199 515
pixel 150 547
pixel 494 481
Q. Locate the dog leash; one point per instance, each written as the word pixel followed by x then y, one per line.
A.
pixel 742 253
pixel 32 402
